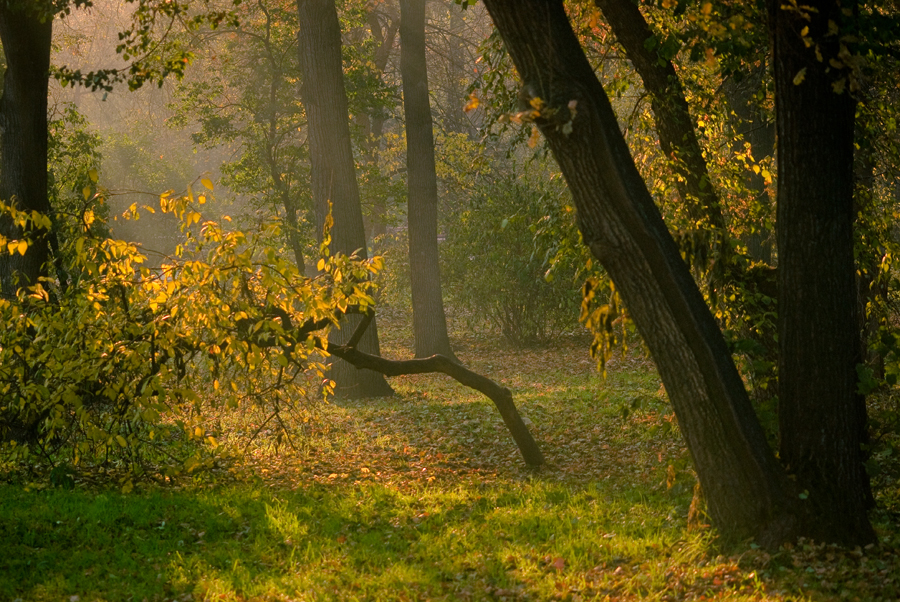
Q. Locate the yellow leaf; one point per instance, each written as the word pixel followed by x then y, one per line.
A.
pixel 535 137
pixel 23 246
pixel 121 441
pixel 207 182
pixel 93 175
pixel 472 104
pixel 801 75
pixel 86 191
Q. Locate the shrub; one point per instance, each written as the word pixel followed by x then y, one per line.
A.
pixel 124 370
pixel 503 259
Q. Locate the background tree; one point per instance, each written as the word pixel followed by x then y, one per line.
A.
pixel 241 96
pixel 429 321
pixel 334 184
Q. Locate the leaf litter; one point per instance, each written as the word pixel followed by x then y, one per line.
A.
pixel 617 431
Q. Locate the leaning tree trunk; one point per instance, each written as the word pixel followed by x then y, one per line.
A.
pixel 23 142
pixel 822 416
pixel 429 321
pixel 333 168
pixel 674 124
pixel 745 488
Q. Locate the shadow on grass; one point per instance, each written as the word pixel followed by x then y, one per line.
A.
pixel 343 541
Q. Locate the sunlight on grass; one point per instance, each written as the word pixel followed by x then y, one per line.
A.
pixel 424 497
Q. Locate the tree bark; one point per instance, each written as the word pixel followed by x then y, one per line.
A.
pixel 674 124
pixel 333 168
pixel 23 141
pixel 429 321
pixel 746 490
pixel 822 416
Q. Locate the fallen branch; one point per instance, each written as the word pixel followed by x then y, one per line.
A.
pixel 348 352
pixel 500 395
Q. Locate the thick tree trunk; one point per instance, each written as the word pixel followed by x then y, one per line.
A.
pixel 822 417
pixel 674 124
pixel 23 141
pixel 429 321
pixel 746 490
pixel 333 167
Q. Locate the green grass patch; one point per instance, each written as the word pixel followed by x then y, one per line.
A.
pixel 424 497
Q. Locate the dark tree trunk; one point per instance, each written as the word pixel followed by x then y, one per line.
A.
pixel 429 321
pixel 333 168
pixel 23 141
pixel 746 491
pixel 822 417
pixel 674 124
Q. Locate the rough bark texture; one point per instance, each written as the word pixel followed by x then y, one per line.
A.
pixel 429 321
pixel 674 124
pixel 23 140
pixel 333 167
pixel 746 490
pixel 822 417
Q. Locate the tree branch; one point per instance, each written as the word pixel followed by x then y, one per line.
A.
pixel 501 396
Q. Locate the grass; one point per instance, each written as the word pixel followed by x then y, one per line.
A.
pixel 424 497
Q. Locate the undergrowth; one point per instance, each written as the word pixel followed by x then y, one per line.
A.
pixel 424 497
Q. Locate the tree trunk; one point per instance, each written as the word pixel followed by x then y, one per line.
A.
pixel 429 321
pixel 674 124
pixel 333 168
pixel 822 417
pixel 746 491
pixel 23 141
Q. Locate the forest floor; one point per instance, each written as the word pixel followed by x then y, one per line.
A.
pixel 424 496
